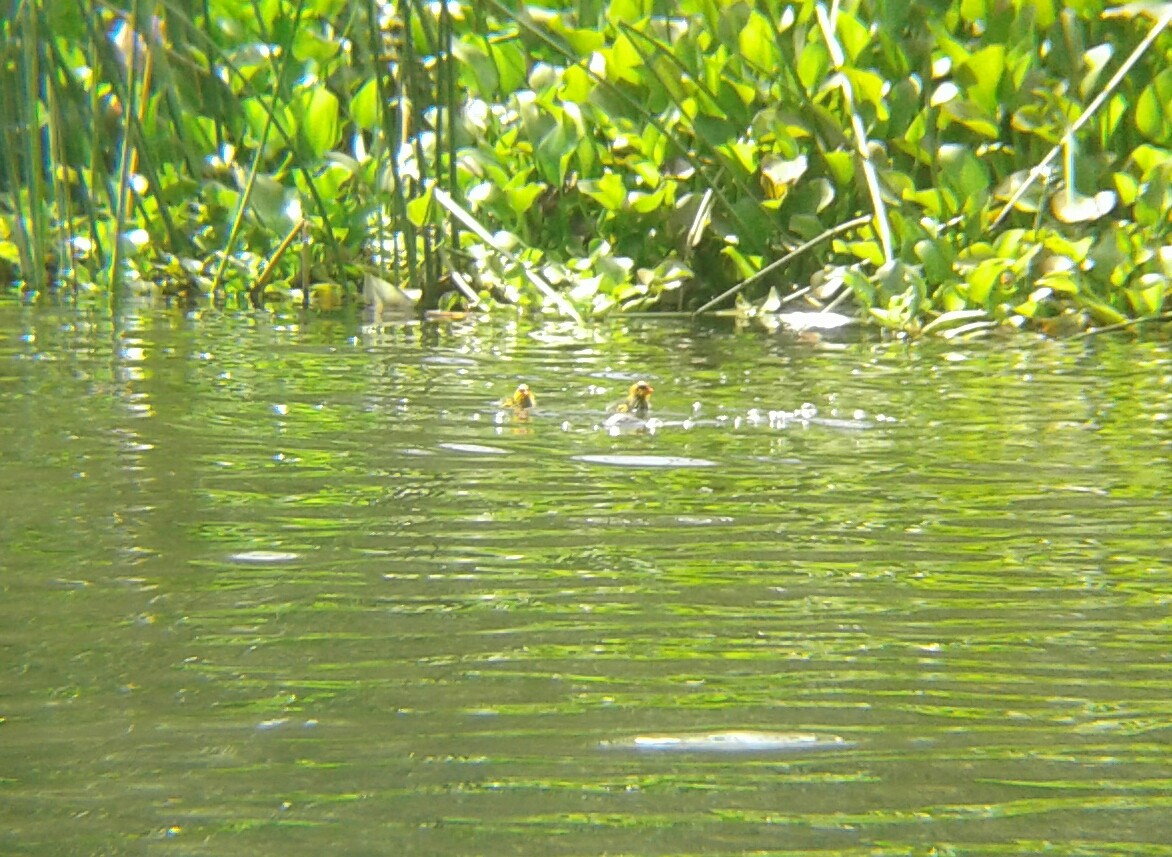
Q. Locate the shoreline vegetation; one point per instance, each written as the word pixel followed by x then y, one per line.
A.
pixel 926 167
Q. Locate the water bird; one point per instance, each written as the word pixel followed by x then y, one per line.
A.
pixel 521 400
pixel 637 403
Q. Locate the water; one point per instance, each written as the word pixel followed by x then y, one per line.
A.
pixel 277 586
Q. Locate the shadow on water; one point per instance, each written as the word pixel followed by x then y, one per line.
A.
pixel 283 587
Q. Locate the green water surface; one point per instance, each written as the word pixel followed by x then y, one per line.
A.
pixel 287 586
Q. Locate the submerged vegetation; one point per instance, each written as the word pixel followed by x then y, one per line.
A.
pixel 933 165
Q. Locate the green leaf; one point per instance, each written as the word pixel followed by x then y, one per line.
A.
pixel 963 171
pixel 813 65
pixel 973 117
pixel 512 65
pixel 319 119
pixel 756 43
pixel 608 190
pixel 987 276
pixel 627 11
pixel 419 209
pixel 521 199
pixel 644 203
pixel 981 74
pixel 852 35
pixel 1147 298
pixel 1153 116
pixel 364 106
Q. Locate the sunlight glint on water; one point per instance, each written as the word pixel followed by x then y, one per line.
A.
pixel 274 588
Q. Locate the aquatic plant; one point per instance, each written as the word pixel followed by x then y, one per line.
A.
pixel 940 167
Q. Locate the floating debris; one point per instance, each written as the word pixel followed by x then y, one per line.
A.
pixel 731 742
pixel 646 460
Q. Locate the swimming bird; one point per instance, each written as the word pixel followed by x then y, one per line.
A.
pixel 637 403
pixel 521 400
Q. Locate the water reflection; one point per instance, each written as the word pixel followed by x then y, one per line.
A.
pixel 274 586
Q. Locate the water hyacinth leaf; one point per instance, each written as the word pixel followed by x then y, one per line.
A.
pixel 521 198
pixel 971 116
pixel 511 65
pixel 623 61
pixel 319 119
pixel 806 226
pixel 981 76
pixel 628 11
pixel 746 266
pixel 309 44
pixel 554 152
pixel 364 106
pixel 609 191
pixel 813 195
pixel 974 11
pixel 644 203
pixel 989 274
pixel 1153 118
pixel 577 85
pixel 841 166
pixel 937 264
pixel 1147 297
pixel 938 203
pixel 478 73
pixel 813 64
pixel 868 88
pixel 419 209
pixel 1101 312
pixel 963 171
pixel 713 131
pixel 742 153
pixel 756 44
pixel 853 36
pixel 867 251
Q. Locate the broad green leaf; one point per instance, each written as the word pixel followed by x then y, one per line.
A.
pixel 521 199
pixel 419 209
pixel 627 11
pixel 511 65
pixel 841 166
pixel 746 266
pixel 1126 186
pixel 982 75
pixel 554 151
pixel 972 116
pixel 1101 312
pixel 868 88
pixel 319 120
pixel 1147 298
pixel 714 131
pixel 1150 158
pixel 813 65
pixel 939 203
pixel 756 43
pixel 644 203
pixel 623 61
pixel 963 171
pixel 364 106
pixel 608 190
pixel 1153 110
pixel 987 277
pixel 852 35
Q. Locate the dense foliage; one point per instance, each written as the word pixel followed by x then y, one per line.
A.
pixel 936 163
